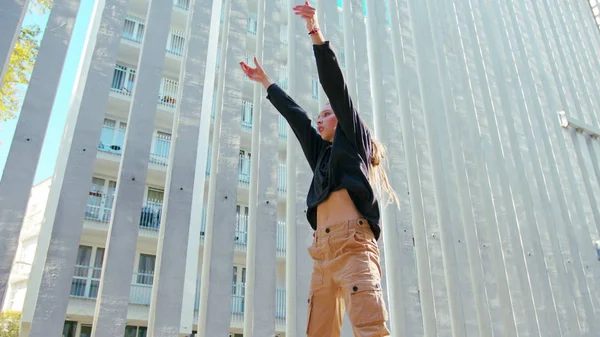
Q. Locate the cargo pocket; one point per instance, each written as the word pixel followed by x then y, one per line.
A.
pixel 367 306
pixel 308 316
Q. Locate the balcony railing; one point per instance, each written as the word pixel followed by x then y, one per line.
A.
pixel 99 204
pixel 176 43
pixel 282 178
pixel 282 127
pixel 161 150
pixel 244 172
pixel 238 297
pixel 182 4
pixel 168 93
pixel 86 281
pixel 241 229
pixel 151 212
pixel 124 80
pixel 100 208
pixel 112 140
pixel 281 238
pixel 141 288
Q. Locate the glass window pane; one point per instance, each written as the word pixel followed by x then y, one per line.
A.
pixel 130 331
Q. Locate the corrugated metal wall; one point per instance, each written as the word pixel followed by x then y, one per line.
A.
pixel 500 197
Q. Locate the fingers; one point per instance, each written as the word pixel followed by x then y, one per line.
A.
pixel 306 6
pixel 258 67
pixel 245 67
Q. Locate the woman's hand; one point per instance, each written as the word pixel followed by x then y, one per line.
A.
pixel 256 74
pixel 309 14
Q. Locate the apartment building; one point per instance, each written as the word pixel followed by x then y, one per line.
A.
pixel 28 242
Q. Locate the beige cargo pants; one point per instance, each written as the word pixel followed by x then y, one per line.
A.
pixel 346 272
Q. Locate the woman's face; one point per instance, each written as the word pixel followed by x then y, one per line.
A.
pixel 326 123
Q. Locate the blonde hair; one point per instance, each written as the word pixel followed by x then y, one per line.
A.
pixel 378 177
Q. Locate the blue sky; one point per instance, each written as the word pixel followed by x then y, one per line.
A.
pixel 63 96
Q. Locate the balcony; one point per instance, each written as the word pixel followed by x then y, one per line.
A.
pixel 100 203
pixel 99 209
pixel 241 233
pixel 182 4
pixel 244 174
pixel 282 178
pixel 86 282
pixel 282 127
pixel 112 139
pixel 123 82
pixel 151 213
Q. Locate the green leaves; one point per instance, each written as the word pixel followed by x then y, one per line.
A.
pixel 9 324
pixel 21 64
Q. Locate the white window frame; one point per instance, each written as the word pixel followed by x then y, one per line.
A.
pixel 315 87
pixel 252 24
pixel 139 27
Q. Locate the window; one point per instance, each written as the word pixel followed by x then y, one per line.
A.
pixel 387 13
pixel 238 287
pixel 176 43
pixel 161 148
pixel 123 79
pixel 342 57
pixel 252 25
pixel 133 29
pixel 283 82
pixel 86 279
pixel 214 105
pixel 86 331
pixel 135 331
pixel 100 199
pixel 69 329
pixel 241 225
pixel 247 111
pixel 112 137
pixel 152 209
pixel 145 274
pixel 283 34
pixel 244 167
pixel 315 88
pixel 249 61
pixel 168 92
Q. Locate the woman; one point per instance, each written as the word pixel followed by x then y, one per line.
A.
pixel 342 205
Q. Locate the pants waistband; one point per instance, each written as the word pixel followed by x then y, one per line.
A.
pixel 349 224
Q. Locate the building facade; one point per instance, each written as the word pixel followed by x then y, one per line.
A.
pixel 28 242
pixel 178 202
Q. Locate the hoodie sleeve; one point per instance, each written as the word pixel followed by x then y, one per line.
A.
pixel 333 83
pixel 310 141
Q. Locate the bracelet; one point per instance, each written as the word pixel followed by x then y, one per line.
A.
pixel 314 31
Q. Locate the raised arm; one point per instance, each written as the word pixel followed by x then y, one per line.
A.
pixel 333 83
pixel 307 136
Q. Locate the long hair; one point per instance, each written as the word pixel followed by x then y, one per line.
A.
pixel 378 177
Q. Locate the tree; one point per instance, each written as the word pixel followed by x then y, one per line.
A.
pixel 19 68
pixel 9 323
pixel 21 63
